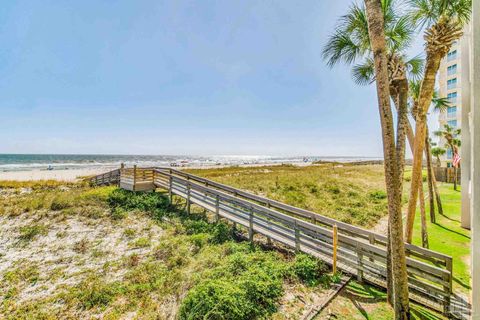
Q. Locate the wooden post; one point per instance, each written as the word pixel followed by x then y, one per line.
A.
pixel 335 242
pixel 217 209
pixel 297 238
pixel 250 226
pixel 188 197
pixel 371 239
pixel 360 263
pixel 269 240
pixel 448 288
pixel 170 181
pixel 134 177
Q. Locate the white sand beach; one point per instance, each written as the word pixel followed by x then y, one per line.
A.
pixel 61 175
pixel 76 174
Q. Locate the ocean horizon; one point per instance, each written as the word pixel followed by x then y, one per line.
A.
pixel 27 162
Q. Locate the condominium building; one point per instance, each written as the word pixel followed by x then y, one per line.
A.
pixel 453 76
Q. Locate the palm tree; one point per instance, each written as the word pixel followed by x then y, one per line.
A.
pixel 440 104
pixel 352 42
pixel 437 152
pixel 450 135
pixel 376 22
pixel 444 21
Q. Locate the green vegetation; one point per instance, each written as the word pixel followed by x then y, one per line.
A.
pixel 351 193
pixel 28 233
pixel 185 272
pixel 447 236
pixel 201 269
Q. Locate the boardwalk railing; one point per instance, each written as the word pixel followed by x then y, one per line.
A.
pixel 110 177
pixel 360 252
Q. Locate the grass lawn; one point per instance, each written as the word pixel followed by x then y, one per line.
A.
pixel 447 236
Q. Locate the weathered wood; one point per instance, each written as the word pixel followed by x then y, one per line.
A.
pixel 335 244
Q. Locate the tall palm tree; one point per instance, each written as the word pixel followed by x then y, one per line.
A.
pixel 376 22
pixel 440 104
pixel 437 152
pixel 351 43
pixel 450 135
pixel 444 21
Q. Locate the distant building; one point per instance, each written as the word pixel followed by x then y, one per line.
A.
pixel 453 76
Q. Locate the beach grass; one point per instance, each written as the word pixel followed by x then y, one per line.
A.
pixel 70 254
pixel 351 193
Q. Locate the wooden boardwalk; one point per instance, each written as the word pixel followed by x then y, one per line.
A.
pixel 360 252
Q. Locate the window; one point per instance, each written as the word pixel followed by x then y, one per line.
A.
pixel 452 97
pixel 452 55
pixel 452 123
pixel 452 112
pixel 452 69
pixel 452 83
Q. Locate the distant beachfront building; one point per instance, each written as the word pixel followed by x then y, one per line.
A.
pixel 453 77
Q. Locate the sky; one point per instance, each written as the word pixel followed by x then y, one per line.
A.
pixel 179 77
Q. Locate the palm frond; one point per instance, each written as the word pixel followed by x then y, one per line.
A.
pixel 340 48
pixel 364 73
pixel 427 12
pixel 440 104
pixel 399 34
pixel 415 67
pixel 414 89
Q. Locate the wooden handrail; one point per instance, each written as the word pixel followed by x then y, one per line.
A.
pixel 359 251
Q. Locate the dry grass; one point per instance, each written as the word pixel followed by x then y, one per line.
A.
pixel 351 193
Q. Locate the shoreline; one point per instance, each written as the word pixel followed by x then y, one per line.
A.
pixel 72 175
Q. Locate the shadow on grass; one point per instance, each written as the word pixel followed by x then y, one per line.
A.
pixel 448 218
pixel 452 231
pixel 465 285
pixel 360 293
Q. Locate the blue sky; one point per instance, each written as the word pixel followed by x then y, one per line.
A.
pixel 179 77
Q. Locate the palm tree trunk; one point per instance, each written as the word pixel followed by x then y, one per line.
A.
pixel 424 101
pixel 437 195
pixel 421 195
pixel 431 181
pixel 392 178
pixel 423 219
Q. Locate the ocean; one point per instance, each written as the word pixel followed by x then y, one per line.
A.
pixel 24 162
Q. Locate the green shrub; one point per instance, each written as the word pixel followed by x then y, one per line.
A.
pixel 215 299
pixel 153 203
pixel 263 290
pixel 62 201
pixel 93 293
pixel 378 195
pixel 118 213
pixel 221 233
pixel 197 226
pixel 308 269
pixel 141 243
pixel 28 233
